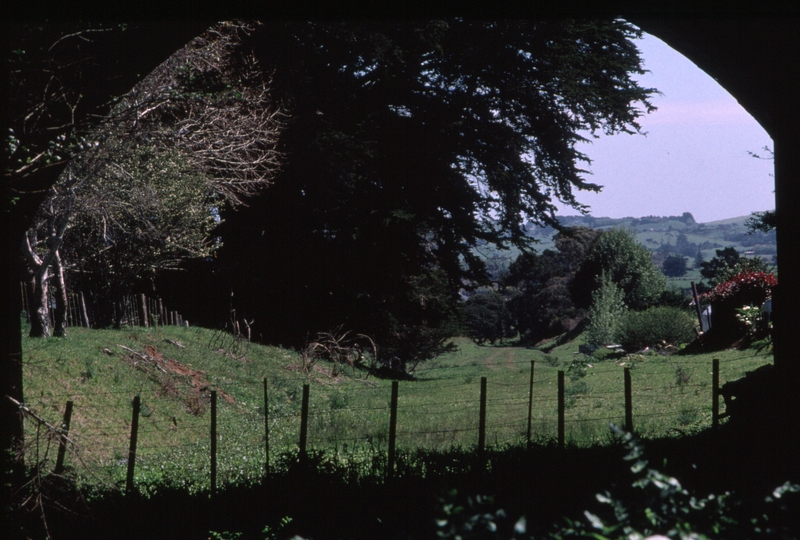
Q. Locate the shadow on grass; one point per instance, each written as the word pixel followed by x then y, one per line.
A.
pixel 326 498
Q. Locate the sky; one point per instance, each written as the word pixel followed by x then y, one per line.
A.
pixel 694 156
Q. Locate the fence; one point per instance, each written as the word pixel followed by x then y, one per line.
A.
pixel 198 451
pixel 137 309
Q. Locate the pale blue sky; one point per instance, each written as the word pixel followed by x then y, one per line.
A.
pixel 694 157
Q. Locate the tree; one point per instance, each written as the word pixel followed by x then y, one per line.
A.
pixel 407 146
pixel 605 313
pixel 726 258
pixel 698 259
pixel 199 131
pixel 541 305
pixel 61 78
pixel 674 266
pixel 486 318
pixel 142 212
pixel 767 220
pixel 627 263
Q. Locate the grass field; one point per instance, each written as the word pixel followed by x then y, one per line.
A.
pixel 172 369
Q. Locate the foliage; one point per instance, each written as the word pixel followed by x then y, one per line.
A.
pixel 406 147
pixel 674 266
pixel 608 308
pixel 744 265
pixel 541 304
pixel 486 318
pixel 143 188
pixel 665 509
pixel 756 325
pixel 459 520
pixel 726 258
pixel 138 213
pixel 744 289
pixel 761 221
pixel 655 326
pixel 626 262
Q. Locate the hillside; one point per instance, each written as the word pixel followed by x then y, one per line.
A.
pixel 174 369
pixel 667 234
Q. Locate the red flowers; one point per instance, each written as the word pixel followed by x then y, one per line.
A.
pixel 747 284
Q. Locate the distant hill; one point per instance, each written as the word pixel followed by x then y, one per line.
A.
pixel 661 234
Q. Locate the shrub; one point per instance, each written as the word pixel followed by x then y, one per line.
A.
pixel 607 309
pixel 640 329
pixel 744 289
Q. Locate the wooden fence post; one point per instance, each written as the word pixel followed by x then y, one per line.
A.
pixel 132 450
pixel 482 421
pixel 304 423
pixel 392 430
pixel 628 402
pixel 266 430
pixel 530 405
pixel 715 394
pixel 143 311
pixel 62 443
pixel 213 443
pixel 561 409
pixel 696 299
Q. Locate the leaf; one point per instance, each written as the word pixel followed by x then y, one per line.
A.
pixel 596 522
pixel 521 526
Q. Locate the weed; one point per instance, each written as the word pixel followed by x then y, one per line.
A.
pixel 89 370
pixel 687 416
pixel 551 360
pixel 577 369
pixel 682 377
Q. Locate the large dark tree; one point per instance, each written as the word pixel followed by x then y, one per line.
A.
pixel 409 143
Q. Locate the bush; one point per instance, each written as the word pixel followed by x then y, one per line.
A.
pixel 640 329
pixel 743 289
pixel 605 314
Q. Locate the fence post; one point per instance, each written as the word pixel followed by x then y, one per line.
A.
pixel 304 423
pixel 530 405
pixel 482 422
pixel 696 299
pixel 628 402
pixel 143 310
pixel 715 394
pixel 213 443
pixel 392 429
pixel 132 450
pixel 561 409
pixel 266 430
pixel 62 443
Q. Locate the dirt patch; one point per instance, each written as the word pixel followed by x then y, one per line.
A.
pixel 169 373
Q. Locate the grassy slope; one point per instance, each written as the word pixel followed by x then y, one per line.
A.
pixel 349 412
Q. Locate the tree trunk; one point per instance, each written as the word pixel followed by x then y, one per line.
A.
pixel 40 312
pixel 62 302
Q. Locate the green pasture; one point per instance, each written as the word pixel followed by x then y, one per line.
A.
pixel 438 409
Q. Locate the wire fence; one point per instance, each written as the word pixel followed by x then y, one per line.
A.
pixel 119 439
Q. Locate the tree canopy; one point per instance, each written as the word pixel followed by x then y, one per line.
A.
pixel 626 263
pixel 411 142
